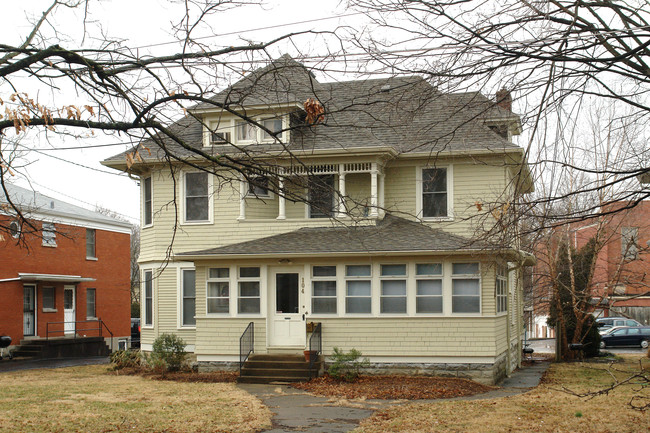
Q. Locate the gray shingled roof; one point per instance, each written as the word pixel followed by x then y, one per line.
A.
pixel 30 202
pixel 404 113
pixel 391 234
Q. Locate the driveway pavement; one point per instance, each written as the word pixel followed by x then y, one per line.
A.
pixel 296 410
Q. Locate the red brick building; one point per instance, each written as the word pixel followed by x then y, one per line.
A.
pixel 65 264
pixel 621 281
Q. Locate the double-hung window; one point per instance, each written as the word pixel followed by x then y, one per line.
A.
pixel 197 197
pixel 148 297
pixel 258 186
pixel 465 288
pixel 323 297
pixel 358 295
pixel 321 196
pixel 502 289
pixel 249 290
pixel 274 125
pixel 90 244
pixel 434 193
pixel 245 131
pixel 188 294
pixel 147 201
pixel 629 242
pixel 49 235
pixel 49 299
pixel 91 303
pixel 218 296
pixel 393 289
pixel 428 288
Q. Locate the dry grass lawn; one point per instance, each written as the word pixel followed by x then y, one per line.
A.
pixel 544 409
pixel 91 400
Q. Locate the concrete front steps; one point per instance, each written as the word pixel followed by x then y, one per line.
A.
pixel 62 348
pixel 269 368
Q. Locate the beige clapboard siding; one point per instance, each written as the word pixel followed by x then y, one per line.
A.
pixel 216 336
pixel 166 308
pixel 472 183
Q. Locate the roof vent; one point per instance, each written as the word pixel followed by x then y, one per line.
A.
pixel 51 205
pixel 385 88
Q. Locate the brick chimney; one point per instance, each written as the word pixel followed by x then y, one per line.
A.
pixel 504 99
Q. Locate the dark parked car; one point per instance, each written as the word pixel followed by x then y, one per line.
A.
pixel 135 333
pixel 632 336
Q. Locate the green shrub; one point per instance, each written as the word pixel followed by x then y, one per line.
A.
pixel 346 366
pixel 168 353
pixel 125 359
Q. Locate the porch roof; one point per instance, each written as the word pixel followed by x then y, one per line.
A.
pixel 390 235
pixel 51 278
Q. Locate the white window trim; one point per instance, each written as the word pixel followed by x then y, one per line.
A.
pixel 143 298
pixel 262 284
pixel 210 219
pixel 374 300
pixel 209 280
pixel 179 303
pixel 143 203
pixel 450 192
pixel 404 278
pixel 426 277
pixel 334 278
pixel 477 276
pixel 230 125
pixel 503 278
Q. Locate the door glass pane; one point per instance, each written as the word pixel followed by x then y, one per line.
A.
pixel 68 303
pixel 286 293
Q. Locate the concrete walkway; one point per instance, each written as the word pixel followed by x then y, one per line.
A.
pixel 296 410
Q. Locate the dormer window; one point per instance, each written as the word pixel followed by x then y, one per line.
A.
pixel 245 131
pixel 274 125
pixel 220 137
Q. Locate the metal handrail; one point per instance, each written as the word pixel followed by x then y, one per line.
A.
pixel 315 346
pixel 246 344
pixel 100 326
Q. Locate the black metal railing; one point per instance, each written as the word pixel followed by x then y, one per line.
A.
pixel 246 344
pixel 315 346
pixel 97 325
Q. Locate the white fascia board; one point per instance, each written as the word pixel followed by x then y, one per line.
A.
pixel 58 218
pixel 216 109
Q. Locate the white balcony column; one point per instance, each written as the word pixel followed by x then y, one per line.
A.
pixel 373 190
pixel 282 214
pixel 340 202
pixel 242 198
pixel 382 205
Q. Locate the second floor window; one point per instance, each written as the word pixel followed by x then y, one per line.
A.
pixel 434 192
pixel 246 131
pixel 49 235
pixel 90 243
pixel 147 201
pixel 197 198
pixel 321 196
pixel 629 242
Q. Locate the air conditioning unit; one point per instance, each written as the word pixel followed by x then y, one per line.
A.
pixel 220 137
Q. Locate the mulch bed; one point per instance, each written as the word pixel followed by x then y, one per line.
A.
pixel 394 387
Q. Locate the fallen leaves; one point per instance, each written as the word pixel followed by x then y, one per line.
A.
pixel 394 387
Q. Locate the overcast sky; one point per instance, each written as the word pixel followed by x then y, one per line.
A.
pixel 76 175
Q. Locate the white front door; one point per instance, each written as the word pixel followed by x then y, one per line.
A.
pixel 69 310
pixel 286 319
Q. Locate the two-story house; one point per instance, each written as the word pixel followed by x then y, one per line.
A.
pixel 62 269
pixel 367 217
